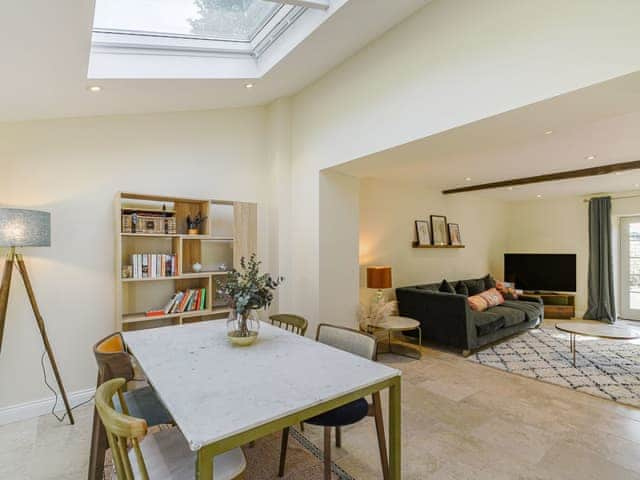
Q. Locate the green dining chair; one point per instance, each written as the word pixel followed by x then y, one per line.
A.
pixel 114 361
pixel 363 345
pixel 164 455
pixel 290 322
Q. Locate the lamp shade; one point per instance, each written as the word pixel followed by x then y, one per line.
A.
pixel 24 228
pixel 378 277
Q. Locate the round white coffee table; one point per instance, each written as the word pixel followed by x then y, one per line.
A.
pixel 598 330
pixel 401 324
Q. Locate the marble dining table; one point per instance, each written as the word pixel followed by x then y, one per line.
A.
pixel 222 396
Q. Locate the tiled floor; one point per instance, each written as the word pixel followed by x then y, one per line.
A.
pixel 460 420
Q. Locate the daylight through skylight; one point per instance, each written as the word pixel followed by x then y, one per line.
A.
pixel 228 20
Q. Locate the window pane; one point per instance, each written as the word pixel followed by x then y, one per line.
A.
pixel 220 19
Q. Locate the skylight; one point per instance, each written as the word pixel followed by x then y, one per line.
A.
pixel 224 26
pixel 199 38
pixel 231 20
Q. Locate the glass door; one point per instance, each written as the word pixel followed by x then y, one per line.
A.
pixel 630 268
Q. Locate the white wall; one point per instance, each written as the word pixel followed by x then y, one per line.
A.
pixel 454 62
pixel 387 214
pixel 73 168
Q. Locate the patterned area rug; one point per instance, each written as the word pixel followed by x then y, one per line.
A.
pixel 604 368
pixel 304 460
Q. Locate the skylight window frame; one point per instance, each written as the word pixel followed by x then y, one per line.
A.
pixel 150 42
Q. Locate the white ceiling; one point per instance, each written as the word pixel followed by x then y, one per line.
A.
pixel 602 120
pixel 45 47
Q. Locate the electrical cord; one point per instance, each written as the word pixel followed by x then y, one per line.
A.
pixel 55 393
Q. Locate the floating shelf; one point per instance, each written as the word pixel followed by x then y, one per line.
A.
pixel 415 245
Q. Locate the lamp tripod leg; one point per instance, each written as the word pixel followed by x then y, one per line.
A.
pixel 43 333
pixel 4 291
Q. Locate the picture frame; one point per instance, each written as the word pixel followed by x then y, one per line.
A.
pixel 439 235
pixel 422 233
pixel 454 234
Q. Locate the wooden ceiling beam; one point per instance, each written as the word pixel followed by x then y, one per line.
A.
pixel 550 177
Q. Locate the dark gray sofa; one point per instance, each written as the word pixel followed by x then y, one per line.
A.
pixel 447 319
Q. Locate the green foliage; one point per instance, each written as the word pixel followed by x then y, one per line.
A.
pixel 248 289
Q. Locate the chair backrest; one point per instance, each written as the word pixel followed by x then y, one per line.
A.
pixel 349 340
pixel 290 322
pixel 121 430
pixel 113 361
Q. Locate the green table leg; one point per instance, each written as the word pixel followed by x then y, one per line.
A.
pixel 395 430
pixel 204 465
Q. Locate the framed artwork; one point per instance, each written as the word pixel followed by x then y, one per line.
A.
pixel 454 234
pixel 439 230
pixel 422 231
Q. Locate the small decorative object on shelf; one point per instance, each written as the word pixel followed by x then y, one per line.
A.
pixel 193 224
pixel 454 234
pixel 148 222
pixel 223 267
pixel 439 230
pixel 127 271
pixel 248 291
pixel 196 267
pixel 422 232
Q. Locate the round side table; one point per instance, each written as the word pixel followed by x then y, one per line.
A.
pixel 400 324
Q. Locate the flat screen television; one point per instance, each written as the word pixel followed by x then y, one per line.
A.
pixel 549 272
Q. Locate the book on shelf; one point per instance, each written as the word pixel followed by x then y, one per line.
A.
pixel 153 265
pixel 190 300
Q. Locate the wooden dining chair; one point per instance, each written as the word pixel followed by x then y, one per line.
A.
pixel 163 455
pixel 114 362
pixel 290 322
pixel 364 345
pixel 294 324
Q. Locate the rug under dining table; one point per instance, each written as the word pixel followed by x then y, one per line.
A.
pixel 304 459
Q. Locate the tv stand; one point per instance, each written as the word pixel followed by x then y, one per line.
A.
pixel 557 305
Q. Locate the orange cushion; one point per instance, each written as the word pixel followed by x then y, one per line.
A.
pixel 113 344
pixel 486 299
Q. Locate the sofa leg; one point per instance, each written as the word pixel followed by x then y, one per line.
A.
pixel 466 353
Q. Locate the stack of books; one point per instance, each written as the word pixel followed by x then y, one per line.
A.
pixel 187 301
pixel 154 265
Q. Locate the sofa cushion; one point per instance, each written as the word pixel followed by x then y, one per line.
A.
pixel 512 316
pixel 486 299
pixel 489 281
pixel 462 289
pixel 475 286
pixel 532 310
pixel 445 287
pixel 487 322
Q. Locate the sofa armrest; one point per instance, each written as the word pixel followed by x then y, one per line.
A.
pixel 444 317
pixel 531 298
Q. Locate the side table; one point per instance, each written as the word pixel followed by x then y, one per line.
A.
pixel 400 324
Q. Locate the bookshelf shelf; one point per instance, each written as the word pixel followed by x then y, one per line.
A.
pixel 229 233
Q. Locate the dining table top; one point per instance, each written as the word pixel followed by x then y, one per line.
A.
pixel 214 389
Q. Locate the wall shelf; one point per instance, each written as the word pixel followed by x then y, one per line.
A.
pixel 415 245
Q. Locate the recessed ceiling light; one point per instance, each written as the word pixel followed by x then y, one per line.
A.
pixel 468 179
pixel 249 85
pixel 94 88
pixel 637 185
pixel 590 157
pixel 509 188
pixel 618 173
pixel 539 196
pixel 548 132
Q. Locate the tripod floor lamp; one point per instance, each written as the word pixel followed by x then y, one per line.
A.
pixel 26 228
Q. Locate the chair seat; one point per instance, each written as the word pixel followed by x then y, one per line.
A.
pixel 345 415
pixel 167 457
pixel 144 403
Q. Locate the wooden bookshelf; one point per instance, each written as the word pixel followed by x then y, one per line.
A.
pixel 228 234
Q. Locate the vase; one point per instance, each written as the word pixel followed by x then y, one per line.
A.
pixel 243 328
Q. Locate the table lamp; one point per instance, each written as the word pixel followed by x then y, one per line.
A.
pixel 380 278
pixel 26 228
